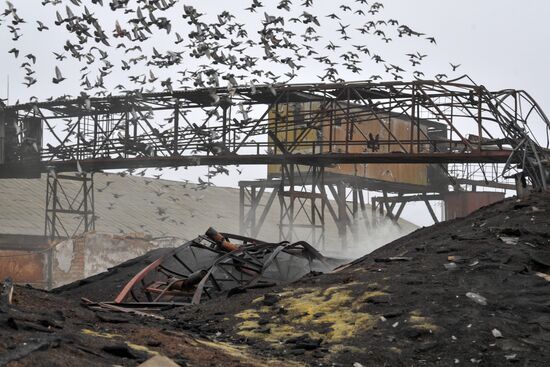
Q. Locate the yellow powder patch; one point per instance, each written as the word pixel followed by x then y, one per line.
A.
pixel 99 334
pixel 248 314
pixel 306 305
pixel 290 291
pixel 331 308
pixel 338 288
pixel 256 300
pixel 346 324
pixel 249 324
pixel 421 322
pixel 142 348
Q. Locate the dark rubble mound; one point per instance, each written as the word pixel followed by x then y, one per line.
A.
pixel 41 329
pixel 472 291
pixel 525 220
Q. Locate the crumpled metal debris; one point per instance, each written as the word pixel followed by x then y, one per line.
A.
pixel 217 263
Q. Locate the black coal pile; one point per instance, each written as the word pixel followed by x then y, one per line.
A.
pixel 472 291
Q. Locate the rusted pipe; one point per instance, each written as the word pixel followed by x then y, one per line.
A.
pixel 190 282
pixel 220 240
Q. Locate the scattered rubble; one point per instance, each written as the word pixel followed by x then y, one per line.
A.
pixel 397 306
pixel 45 329
pixel 208 265
pixel 477 298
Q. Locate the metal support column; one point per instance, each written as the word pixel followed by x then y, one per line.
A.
pixel 302 199
pixel 250 199
pixel 69 205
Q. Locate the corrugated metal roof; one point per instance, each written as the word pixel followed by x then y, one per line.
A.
pixel 156 207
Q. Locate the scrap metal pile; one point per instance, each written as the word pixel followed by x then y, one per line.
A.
pixel 213 264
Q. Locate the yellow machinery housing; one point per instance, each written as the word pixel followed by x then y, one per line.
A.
pixel 333 133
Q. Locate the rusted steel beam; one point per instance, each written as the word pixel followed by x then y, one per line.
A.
pixel 254 159
pixel 136 279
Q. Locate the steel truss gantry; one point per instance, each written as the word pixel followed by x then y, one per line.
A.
pixel 307 199
pixel 236 126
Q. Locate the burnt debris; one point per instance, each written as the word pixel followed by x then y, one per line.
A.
pixel 219 263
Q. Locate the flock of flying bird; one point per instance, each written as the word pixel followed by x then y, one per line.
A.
pixel 227 51
pixel 164 199
pixel 131 43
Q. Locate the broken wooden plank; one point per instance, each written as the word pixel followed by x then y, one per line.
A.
pixel 111 307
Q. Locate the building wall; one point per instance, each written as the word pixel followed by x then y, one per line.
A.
pixel 93 253
pixel 102 251
pixel 77 258
pixel 461 204
pixel 68 262
pixel 24 267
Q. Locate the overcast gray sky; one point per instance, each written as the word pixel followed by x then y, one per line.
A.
pixel 500 44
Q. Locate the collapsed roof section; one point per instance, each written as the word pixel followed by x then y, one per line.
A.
pixel 214 264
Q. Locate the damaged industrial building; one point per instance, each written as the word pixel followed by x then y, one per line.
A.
pixel 299 300
pixel 364 223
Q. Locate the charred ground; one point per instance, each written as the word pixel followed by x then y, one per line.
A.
pixel 469 291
